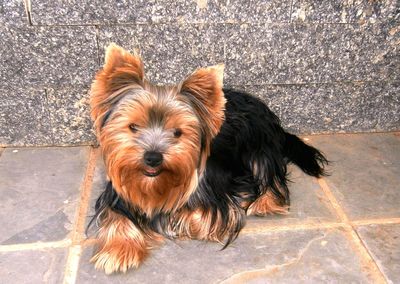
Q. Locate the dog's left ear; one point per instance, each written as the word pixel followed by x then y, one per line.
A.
pixel 204 90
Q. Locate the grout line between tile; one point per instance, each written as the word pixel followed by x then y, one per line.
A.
pixel 335 204
pixel 260 228
pixel 366 259
pixel 71 268
pixel 35 246
pixel 86 189
pixel 88 242
pixel 380 221
pixel 74 251
pixel 265 228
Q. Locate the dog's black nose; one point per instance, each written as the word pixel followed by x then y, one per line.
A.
pixel 153 159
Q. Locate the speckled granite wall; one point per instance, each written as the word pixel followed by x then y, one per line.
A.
pixel 323 65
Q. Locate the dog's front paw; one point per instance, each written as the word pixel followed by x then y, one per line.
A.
pixel 119 257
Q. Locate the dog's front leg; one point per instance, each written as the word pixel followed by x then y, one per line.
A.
pixel 121 244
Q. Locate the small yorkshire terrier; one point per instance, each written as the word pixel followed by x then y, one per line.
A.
pixel 185 161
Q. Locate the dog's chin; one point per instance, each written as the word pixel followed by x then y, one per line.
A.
pixel 152 172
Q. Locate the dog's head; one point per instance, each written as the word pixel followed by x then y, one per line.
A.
pixel 155 139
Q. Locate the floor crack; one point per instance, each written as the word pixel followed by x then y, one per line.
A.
pixel 47 273
pixel 247 275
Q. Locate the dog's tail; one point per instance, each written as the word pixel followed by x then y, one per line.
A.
pixel 309 159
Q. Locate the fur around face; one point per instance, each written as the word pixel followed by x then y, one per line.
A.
pixel 223 156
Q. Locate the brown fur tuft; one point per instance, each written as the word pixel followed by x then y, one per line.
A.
pixel 121 69
pixel 204 90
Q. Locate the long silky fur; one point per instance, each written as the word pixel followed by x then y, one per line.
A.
pixel 248 158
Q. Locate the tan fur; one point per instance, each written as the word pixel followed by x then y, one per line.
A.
pixel 124 159
pixel 198 225
pixel 267 204
pixel 205 85
pixel 121 69
pixel 121 244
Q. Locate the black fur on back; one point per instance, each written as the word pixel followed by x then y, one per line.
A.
pixel 248 157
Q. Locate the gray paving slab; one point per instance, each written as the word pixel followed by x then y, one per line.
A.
pixel 308 204
pixel 365 173
pixel 383 242
pixel 40 192
pixel 33 266
pixel 365 178
pixel 284 257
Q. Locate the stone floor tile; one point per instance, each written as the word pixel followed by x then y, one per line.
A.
pixel 40 192
pixel 365 172
pixel 33 266
pixel 308 203
pixel 383 242
pixel 276 257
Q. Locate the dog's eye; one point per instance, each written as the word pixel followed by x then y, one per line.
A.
pixel 177 132
pixel 133 127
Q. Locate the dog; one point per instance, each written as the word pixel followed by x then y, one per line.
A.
pixel 186 161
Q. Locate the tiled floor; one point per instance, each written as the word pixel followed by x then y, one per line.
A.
pixel 344 228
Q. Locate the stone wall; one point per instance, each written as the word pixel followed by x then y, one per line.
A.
pixel 323 66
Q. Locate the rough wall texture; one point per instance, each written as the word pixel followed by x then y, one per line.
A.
pixel 321 65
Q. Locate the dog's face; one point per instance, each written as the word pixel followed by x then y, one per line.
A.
pixel 155 139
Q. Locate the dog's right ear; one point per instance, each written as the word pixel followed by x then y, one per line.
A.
pixel 121 69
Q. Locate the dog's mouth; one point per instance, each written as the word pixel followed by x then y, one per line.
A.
pixel 152 172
